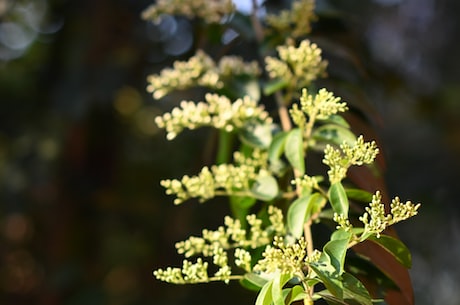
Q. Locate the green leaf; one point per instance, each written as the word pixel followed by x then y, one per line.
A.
pixel 337 120
pixel 338 198
pixel 395 247
pixel 358 195
pixel 265 295
pixel 294 150
pixel 256 135
pixel 265 188
pixel 296 293
pixel 277 288
pixel 301 210
pixel 240 206
pixel 336 250
pixel 334 134
pixel 328 276
pixel 296 216
pixel 274 85
pixel 276 148
pixel 355 290
pixel 253 281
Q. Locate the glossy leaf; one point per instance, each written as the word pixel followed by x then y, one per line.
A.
pixel 301 210
pixel 336 250
pixel 359 195
pixel 276 148
pixel 265 188
pixel 334 134
pixel 355 290
pixel 338 198
pixel 326 273
pixel 256 135
pixel 395 247
pixel 277 288
pixel 253 281
pixel 294 150
pixel 296 293
pixel 265 295
pixel 337 120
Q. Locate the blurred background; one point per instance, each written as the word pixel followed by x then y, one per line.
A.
pixel 83 219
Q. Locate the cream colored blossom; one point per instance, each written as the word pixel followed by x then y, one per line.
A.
pixel 295 22
pixel 210 11
pixel 298 66
pixel 217 111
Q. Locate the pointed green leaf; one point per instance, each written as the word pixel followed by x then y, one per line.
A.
pixel 265 188
pixel 274 85
pixel 296 293
pixel 293 150
pixel 296 216
pixel 337 120
pixel 358 195
pixel 256 135
pixel 334 134
pixel 276 148
pixel 265 295
pixel 327 274
pixel 277 288
pixel 337 250
pixel 253 281
pixel 301 210
pixel 395 247
pixel 338 198
pixel 355 290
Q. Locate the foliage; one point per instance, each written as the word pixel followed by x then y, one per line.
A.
pixel 268 245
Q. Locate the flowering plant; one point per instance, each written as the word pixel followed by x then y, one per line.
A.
pixel 268 245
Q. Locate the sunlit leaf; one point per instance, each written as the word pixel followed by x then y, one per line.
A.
pixel 301 210
pixel 265 188
pixel 253 281
pixel 276 148
pixel 256 135
pixel 277 288
pixel 328 276
pixel 265 295
pixel 355 290
pixel 339 199
pixel 336 251
pixel 395 247
pixel 293 294
pixel 334 134
pixel 294 150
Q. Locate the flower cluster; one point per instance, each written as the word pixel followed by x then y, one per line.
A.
pixel 339 160
pixel 375 220
pixel 307 183
pixel 218 111
pixel 320 106
pixel 298 66
pixel 199 70
pixel 223 179
pixel 210 11
pixel 286 258
pixel 296 21
pixel 216 243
